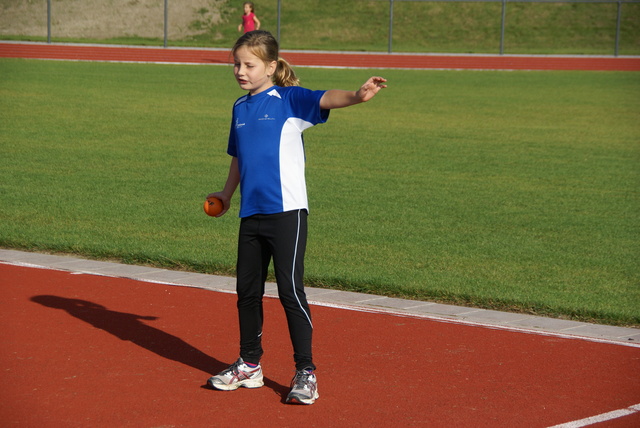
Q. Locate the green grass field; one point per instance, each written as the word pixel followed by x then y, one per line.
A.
pixel 506 190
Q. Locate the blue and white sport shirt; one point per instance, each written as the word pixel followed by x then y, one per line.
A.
pixel 266 137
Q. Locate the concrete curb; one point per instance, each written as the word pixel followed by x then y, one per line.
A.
pixel 341 299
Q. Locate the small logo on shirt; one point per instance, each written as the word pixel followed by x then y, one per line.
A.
pixel 266 117
pixel 239 125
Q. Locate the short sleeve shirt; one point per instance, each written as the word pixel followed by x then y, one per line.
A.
pixel 266 137
pixel 248 23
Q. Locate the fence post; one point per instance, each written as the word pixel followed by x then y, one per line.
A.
pixel 166 21
pixel 390 25
pixel 502 25
pixel 48 21
pixel 278 35
pixel 618 19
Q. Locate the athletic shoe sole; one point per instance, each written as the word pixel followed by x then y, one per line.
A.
pixel 299 399
pixel 247 383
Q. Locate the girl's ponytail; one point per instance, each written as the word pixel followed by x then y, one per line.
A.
pixel 284 75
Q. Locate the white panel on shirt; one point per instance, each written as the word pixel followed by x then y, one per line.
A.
pixel 292 160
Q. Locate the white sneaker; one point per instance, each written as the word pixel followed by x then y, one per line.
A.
pixel 304 388
pixel 236 375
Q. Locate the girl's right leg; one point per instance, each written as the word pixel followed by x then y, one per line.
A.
pixel 253 261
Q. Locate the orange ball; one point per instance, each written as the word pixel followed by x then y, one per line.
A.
pixel 213 206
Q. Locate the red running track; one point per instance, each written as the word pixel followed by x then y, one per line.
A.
pixel 81 350
pixel 321 59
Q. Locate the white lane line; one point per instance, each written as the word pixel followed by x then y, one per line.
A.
pixel 600 418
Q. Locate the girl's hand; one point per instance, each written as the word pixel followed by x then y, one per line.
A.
pixel 371 87
pixel 226 201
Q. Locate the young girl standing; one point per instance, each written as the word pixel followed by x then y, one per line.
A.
pixel 250 21
pixel 267 161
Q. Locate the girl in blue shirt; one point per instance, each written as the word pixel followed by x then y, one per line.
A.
pixel 267 162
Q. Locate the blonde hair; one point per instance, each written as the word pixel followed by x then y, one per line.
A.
pixel 263 45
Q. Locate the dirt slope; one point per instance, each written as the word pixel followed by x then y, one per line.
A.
pixel 106 18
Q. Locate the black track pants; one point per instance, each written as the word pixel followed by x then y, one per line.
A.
pixel 282 237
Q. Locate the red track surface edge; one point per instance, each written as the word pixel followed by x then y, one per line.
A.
pixel 321 59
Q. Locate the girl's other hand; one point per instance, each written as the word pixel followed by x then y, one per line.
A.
pixel 371 87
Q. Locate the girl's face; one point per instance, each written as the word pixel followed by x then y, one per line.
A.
pixel 251 72
pixel 247 9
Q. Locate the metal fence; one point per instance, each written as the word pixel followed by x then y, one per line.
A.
pixel 619 4
pixel 503 19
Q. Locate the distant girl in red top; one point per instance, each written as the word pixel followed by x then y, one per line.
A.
pixel 250 21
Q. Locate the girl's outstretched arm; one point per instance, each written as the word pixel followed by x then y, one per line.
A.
pixel 336 98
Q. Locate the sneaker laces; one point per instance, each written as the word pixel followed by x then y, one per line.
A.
pixel 302 379
pixel 232 369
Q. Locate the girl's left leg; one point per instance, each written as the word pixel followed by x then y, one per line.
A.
pixel 287 236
